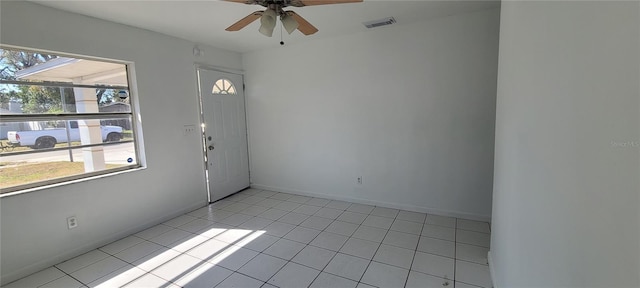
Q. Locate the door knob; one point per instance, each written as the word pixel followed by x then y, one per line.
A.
pixel 210 147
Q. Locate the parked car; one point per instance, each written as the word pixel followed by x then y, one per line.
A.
pixel 48 138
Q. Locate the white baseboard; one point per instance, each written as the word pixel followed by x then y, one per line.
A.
pixel 66 255
pixel 491 270
pixel 428 210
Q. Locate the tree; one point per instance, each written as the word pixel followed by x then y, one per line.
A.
pixel 6 96
pixel 34 99
pixel 13 61
pixel 40 99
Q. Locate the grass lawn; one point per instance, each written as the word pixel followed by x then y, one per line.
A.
pixel 18 173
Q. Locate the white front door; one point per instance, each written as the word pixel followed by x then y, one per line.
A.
pixel 225 132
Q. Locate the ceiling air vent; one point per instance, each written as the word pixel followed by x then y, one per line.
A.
pixel 380 22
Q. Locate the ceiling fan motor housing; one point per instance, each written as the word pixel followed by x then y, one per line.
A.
pixel 280 3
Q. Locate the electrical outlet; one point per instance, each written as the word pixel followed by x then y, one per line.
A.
pixel 360 180
pixel 72 222
pixel 189 129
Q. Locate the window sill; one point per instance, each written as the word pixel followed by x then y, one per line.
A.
pixel 70 182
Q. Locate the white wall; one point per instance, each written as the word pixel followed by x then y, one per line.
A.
pixel 410 108
pixel 34 232
pixel 566 196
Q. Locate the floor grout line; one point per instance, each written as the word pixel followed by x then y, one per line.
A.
pixel 415 252
pixel 455 251
pixel 374 254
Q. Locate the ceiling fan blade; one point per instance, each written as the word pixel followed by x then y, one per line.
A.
pixel 245 21
pixel 301 3
pixel 303 25
pixel 242 1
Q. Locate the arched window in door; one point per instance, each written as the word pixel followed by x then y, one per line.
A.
pixel 223 86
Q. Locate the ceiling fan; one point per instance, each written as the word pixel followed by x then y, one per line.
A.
pixel 290 19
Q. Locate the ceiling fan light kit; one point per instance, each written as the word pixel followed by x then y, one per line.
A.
pixel 268 22
pixel 289 23
pixel 290 19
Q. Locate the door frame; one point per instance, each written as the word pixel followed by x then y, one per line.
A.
pixel 203 144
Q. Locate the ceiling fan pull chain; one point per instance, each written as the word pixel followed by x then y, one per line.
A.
pixel 281 42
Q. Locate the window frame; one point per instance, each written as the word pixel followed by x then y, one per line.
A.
pixel 133 115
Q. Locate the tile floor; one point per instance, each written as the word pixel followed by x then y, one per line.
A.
pixel 259 238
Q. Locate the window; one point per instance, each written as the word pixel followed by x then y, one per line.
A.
pixel 63 118
pixel 223 86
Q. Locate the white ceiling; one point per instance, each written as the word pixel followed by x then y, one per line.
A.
pixel 204 21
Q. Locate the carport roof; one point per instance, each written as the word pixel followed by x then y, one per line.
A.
pixel 77 71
